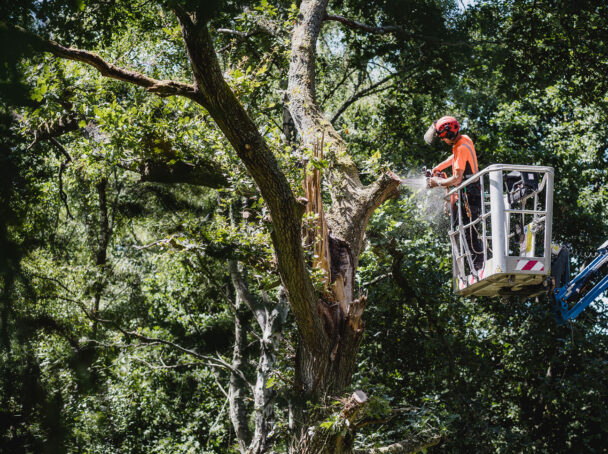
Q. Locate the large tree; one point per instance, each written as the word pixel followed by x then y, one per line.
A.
pixel 314 201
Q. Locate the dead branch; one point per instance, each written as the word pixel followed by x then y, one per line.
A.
pixel 376 279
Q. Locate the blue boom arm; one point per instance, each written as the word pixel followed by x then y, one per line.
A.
pixel 579 288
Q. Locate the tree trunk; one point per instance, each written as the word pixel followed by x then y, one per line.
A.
pixel 101 253
pixel 271 319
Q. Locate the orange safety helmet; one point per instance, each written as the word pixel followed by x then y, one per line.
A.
pixel 447 127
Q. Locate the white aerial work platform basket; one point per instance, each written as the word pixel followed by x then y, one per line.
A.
pixel 514 230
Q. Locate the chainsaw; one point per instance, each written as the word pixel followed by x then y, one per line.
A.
pixel 428 174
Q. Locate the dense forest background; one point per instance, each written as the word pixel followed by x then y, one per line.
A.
pixel 142 305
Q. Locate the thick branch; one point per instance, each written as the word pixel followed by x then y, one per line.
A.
pixel 307 116
pixel 159 87
pixel 360 209
pixel 351 207
pixel 66 124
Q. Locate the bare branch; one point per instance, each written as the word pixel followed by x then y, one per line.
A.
pixel 392 29
pixel 219 385
pixel 358 95
pixel 213 361
pixel 240 34
pixel 171 366
pixel 159 87
pixel 376 279
pixel 331 92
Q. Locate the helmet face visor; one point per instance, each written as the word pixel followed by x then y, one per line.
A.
pixel 430 135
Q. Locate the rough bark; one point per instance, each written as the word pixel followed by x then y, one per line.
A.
pixel 352 203
pixel 159 87
pixel 65 124
pixel 341 232
pixel 330 324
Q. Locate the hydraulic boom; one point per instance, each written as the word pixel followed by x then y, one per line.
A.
pixel 574 297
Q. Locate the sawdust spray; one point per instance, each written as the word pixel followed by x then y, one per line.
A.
pixel 429 201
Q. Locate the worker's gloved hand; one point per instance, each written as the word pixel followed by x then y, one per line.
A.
pixel 435 171
pixel 435 182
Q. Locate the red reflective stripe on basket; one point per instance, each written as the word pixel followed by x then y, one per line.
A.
pixel 528 266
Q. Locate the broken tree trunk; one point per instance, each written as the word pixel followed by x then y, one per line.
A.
pixel 340 231
pixel 338 239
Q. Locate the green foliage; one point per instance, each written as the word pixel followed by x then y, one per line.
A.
pixel 87 346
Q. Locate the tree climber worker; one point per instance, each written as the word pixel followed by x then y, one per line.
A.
pixel 464 165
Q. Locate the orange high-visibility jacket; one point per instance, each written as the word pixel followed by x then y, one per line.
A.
pixel 463 158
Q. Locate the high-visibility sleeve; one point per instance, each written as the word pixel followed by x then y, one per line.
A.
pixel 444 165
